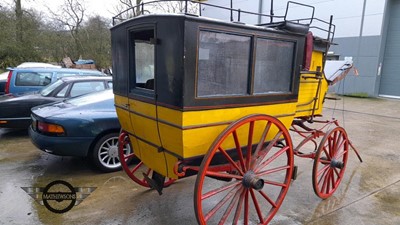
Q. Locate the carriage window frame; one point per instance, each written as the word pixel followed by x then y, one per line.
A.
pixel 251 92
pixel 133 87
pixel 201 54
pixel 290 68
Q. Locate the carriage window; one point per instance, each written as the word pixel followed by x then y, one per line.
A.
pixel 144 58
pixel 273 68
pixel 223 64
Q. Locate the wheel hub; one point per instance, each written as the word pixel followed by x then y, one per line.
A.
pixel 113 151
pixel 337 164
pixel 250 180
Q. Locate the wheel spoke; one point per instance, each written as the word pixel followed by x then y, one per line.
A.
pixel 327 154
pixel 230 160
pixel 325 169
pixel 275 183
pixel 126 157
pixel 257 206
pixel 261 142
pixel 249 144
pixel 136 167
pixel 339 146
pixel 232 204
pixel 228 196
pixel 335 140
pixel 337 173
pixel 333 179
pixel 339 155
pixel 330 146
pixel 268 199
pixel 223 175
pixel 324 162
pixel 266 150
pixel 239 206
pixel 239 150
pixel 219 190
pixel 325 185
pixel 328 182
pixel 246 207
pixel 272 158
pixel 265 172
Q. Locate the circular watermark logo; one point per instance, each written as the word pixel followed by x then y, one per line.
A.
pixel 59 196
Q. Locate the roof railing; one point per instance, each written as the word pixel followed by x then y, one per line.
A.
pixel 194 8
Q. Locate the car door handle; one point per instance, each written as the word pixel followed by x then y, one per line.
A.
pixel 126 106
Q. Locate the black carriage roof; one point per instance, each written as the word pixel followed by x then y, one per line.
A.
pixel 288 28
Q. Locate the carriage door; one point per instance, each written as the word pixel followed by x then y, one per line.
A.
pixel 142 95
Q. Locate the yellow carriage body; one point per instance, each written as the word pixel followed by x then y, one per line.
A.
pixel 312 90
pixel 186 134
pixel 162 134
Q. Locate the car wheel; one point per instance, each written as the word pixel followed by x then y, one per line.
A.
pixel 105 153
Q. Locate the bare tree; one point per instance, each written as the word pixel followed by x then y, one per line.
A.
pixel 127 9
pixel 71 15
pixel 177 7
pixel 167 6
pixel 18 24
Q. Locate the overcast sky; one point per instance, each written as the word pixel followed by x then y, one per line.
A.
pixel 103 8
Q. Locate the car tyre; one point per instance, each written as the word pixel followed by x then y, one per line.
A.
pixel 105 153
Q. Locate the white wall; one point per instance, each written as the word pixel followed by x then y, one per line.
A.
pixel 347 14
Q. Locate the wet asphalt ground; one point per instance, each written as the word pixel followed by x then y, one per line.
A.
pixel 368 194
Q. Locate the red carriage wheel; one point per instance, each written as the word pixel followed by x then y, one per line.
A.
pixel 135 170
pixel 330 162
pixel 247 181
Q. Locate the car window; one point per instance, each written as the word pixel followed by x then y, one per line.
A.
pixel 92 98
pixel 110 84
pixel 32 79
pixel 47 90
pixel 81 88
pixel 63 91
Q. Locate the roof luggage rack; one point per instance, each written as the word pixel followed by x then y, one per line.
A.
pixel 279 22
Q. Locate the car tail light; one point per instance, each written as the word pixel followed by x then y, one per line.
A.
pixel 7 88
pixel 50 128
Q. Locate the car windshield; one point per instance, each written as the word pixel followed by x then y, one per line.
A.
pixel 91 98
pixel 48 89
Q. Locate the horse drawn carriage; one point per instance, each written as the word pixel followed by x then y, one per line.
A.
pixel 220 100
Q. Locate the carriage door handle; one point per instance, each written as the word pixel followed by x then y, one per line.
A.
pixel 126 106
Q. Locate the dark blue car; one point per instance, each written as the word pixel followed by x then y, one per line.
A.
pixel 85 126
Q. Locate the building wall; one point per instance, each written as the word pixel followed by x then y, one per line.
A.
pixel 359 28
